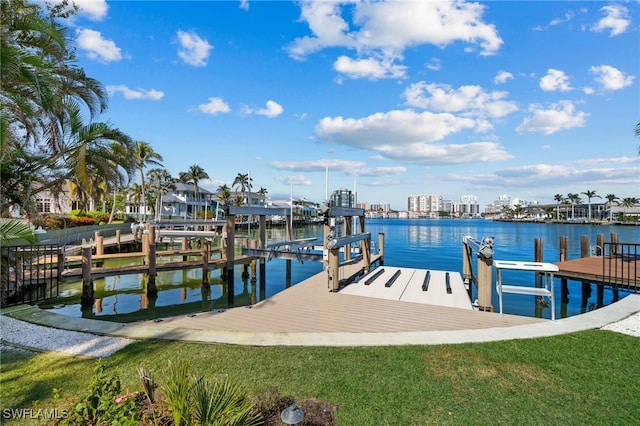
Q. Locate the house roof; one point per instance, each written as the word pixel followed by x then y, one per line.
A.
pixel 189 187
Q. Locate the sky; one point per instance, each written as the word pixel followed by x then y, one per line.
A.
pixel 386 98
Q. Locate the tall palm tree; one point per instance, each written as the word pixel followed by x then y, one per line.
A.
pixel 590 194
pixel 559 199
pixel 195 174
pixel 243 180
pixel 611 198
pixel 574 199
pixel 629 202
pixel 263 193
pixel 160 182
pixel 144 155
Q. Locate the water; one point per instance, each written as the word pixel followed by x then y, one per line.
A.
pixel 420 243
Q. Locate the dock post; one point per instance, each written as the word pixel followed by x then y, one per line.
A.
pixel 99 245
pixel 381 248
pixel 87 298
pixel 206 254
pixel 254 245
pixel 600 245
pixel 348 229
pixel 586 286
pixel 485 278
pixel 230 250
pixel 61 255
pixel 333 271
pixel 614 245
pixel 151 260
pixel 185 247
pixel 118 235
pixel 564 288
pixel 538 257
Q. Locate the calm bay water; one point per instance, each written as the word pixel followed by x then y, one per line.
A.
pixel 420 243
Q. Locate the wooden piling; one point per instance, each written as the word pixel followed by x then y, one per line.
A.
pixel 333 270
pixel 99 245
pixel 614 244
pixel 584 246
pixel 152 260
pixel 348 229
pixel 87 283
pixel 206 254
pixel 485 287
pixel 118 235
pixel 381 248
pixel 61 261
pixel 599 245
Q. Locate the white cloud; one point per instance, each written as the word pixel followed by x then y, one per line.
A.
pixel 502 77
pixel 384 29
pixel 434 64
pixel 317 165
pixel 555 80
pixel 97 47
pixel 193 49
pixel 567 17
pixel 244 4
pixel 370 68
pixel 214 106
pixel 273 109
pixel 616 20
pixel 399 127
pixel 611 78
pixel 433 154
pixel 298 180
pixel 409 137
pixel 95 10
pixel 560 116
pixel 152 94
pixel 468 100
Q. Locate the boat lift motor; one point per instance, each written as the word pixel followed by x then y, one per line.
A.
pixel 484 248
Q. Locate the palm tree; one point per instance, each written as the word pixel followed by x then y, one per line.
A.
pixel 144 155
pixel 611 198
pixel 195 174
pixel 244 182
pixel 590 195
pixel 518 210
pixel 160 182
pixel 574 199
pixel 559 199
pixel 134 194
pixel 42 91
pixel 263 193
pixel 629 202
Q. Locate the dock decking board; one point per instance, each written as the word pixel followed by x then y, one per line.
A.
pixel 595 269
pixel 310 307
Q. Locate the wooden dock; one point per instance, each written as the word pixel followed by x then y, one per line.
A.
pixel 309 307
pixel 623 270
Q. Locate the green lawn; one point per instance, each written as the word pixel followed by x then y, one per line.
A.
pixel 590 377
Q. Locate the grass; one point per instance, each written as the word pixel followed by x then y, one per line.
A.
pixel 590 377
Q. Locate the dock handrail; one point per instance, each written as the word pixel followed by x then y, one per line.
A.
pixel 546 270
pixel 620 265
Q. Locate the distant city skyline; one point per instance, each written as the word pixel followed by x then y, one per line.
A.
pixel 393 98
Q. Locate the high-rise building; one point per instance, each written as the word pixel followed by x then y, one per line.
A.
pixel 342 198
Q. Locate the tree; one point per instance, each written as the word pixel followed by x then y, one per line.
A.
pixel 263 193
pixel 590 195
pixel 143 156
pixel 160 183
pixel 637 132
pixel 244 182
pixel 629 202
pixel 611 198
pixel 195 174
pixel 559 199
pixel 42 93
pixel 574 199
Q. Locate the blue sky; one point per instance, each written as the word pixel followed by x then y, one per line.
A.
pixel 395 98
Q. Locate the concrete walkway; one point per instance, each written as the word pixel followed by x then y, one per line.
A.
pixel 139 331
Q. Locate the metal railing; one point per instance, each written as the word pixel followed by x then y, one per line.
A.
pixel 620 266
pixel 28 273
